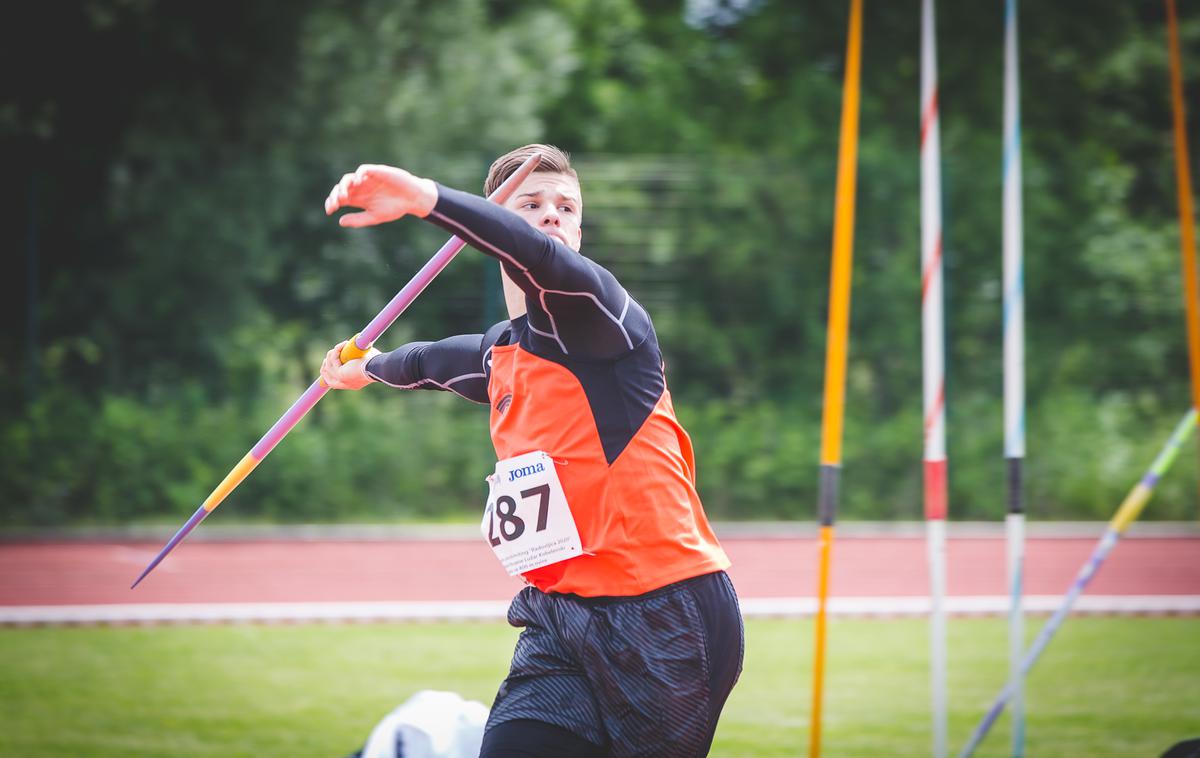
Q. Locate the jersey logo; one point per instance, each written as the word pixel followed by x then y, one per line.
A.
pixel 503 403
pixel 524 471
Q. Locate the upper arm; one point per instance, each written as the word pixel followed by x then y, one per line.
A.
pixel 584 306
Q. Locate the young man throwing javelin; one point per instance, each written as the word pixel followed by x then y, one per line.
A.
pixel 632 634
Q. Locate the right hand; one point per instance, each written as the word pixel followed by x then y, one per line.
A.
pixel 351 375
pixel 385 193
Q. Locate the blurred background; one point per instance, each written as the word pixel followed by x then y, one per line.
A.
pixel 171 281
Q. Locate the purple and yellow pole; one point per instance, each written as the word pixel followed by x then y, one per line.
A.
pixel 1131 507
pixel 355 348
pixel 1187 220
pixel 837 338
pixel 933 373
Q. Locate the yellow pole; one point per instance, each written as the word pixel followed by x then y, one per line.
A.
pixel 835 351
pixel 843 250
pixel 1187 222
pixel 826 544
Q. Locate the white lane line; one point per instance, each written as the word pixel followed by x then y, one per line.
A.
pixel 364 612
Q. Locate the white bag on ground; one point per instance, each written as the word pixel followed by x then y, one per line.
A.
pixel 430 724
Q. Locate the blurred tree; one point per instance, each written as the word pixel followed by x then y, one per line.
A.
pixel 166 206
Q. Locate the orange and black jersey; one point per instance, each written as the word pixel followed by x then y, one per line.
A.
pixel 581 378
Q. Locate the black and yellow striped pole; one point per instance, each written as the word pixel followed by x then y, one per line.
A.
pixel 835 349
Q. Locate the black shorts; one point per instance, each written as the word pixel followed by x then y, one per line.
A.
pixel 644 675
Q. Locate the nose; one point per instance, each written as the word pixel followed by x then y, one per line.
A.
pixel 550 216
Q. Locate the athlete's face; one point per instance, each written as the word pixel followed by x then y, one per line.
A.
pixel 552 203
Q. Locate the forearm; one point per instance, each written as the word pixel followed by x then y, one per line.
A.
pixel 453 364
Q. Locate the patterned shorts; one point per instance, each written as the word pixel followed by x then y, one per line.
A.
pixel 640 676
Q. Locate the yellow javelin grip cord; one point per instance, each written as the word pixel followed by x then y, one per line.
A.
pixel 351 351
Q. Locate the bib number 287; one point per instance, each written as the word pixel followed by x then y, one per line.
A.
pixel 505 525
pixel 527 522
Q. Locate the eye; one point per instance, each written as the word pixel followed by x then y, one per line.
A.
pixel 531 205
pixel 566 209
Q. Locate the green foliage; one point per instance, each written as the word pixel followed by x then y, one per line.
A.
pixel 364 458
pixel 180 281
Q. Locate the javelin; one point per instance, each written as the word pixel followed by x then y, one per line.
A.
pixel 355 348
pixel 1130 509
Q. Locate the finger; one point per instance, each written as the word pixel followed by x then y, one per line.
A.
pixel 331 202
pixel 337 195
pixel 364 172
pixel 362 218
pixel 343 190
pixel 332 360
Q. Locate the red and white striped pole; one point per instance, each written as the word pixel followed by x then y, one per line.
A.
pixel 933 373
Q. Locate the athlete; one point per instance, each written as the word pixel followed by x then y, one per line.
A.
pixel 632 637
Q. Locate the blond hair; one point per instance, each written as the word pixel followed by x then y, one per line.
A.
pixel 554 161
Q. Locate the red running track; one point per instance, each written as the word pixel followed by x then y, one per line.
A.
pixel 87 573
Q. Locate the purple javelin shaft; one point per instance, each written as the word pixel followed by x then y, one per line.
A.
pixel 434 266
pixel 289 419
pixel 372 332
pixel 384 319
pixel 408 294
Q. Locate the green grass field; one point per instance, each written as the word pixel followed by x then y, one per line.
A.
pixel 1106 687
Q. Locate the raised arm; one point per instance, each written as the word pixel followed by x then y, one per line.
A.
pixel 572 300
pixel 574 304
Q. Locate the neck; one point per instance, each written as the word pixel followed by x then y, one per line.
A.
pixel 514 298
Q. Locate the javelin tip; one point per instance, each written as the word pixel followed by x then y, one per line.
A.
pixel 191 524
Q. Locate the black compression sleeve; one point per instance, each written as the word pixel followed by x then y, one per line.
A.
pixel 454 364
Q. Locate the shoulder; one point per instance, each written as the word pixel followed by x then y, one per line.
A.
pixel 498 334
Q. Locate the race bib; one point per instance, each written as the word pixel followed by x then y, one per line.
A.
pixel 527 521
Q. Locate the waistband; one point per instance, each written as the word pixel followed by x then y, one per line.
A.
pixel 666 589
